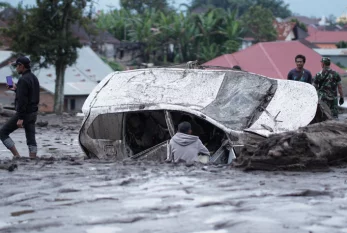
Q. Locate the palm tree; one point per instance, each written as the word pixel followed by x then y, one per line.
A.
pixel 142 30
pixel 115 22
pixel 232 31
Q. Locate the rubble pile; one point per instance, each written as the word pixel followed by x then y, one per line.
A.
pixel 313 147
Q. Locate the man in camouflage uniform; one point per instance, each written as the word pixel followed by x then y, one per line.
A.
pixel 327 82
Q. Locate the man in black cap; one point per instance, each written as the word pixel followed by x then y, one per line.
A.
pixel 26 104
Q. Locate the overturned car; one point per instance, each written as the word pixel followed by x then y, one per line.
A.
pixel 135 113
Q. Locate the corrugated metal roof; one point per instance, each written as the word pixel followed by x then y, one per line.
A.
pixel 332 52
pixel 327 36
pixel 272 59
pixel 4 55
pixel 303 19
pixel 80 78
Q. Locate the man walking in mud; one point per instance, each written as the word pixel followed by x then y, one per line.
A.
pixel 299 73
pixel 26 105
pixel 184 146
pixel 327 82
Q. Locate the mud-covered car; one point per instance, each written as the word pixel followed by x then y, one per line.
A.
pixel 135 113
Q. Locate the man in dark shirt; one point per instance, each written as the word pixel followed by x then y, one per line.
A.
pixel 26 103
pixel 299 73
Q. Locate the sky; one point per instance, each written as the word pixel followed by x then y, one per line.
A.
pixel 316 8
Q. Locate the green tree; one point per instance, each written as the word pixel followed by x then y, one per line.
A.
pixel 208 25
pixel 142 29
pixel 115 22
pixel 278 7
pixel 258 21
pixel 141 5
pixel 184 33
pixel 43 32
pixel 209 52
pixel 189 36
pixel 300 24
pixel 5 4
pixel 232 31
pixel 341 44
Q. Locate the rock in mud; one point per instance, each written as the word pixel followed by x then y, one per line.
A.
pixel 42 123
pixel 313 147
pixel 8 167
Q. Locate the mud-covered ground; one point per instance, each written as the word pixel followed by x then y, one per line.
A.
pixel 65 193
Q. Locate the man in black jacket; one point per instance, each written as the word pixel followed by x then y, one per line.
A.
pixel 26 103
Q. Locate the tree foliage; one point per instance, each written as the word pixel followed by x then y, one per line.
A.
pixel 5 4
pixel 140 6
pixel 190 36
pixel 300 24
pixel 278 7
pixel 44 33
pixel 341 44
pixel 258 21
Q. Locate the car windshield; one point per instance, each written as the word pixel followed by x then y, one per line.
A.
pixel 240 99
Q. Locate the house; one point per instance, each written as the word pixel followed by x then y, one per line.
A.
pixel 342 19
pixel 287 31
pixel 322 24
pixel 303 19
pixel 272 59
pixel 247 42
pixel 326 39
pixel 337 56
pixel 80 80
pixel 129 53
pixel 100 40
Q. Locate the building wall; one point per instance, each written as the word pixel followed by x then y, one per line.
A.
pixel 6 96
pixel 326 46
pixel 301 34
pixel 245 44
pixel 290 37
pixel 108 50
pixel 339 59
pixel 74 103
pixel 46 101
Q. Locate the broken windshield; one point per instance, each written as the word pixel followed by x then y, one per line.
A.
pixel 240 98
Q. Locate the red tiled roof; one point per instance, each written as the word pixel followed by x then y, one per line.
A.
pixel 327 36
pixel 272 59
pixel 303 19
pixel 326 46
pixel 283 29
pixel 311 29
pixel 248 39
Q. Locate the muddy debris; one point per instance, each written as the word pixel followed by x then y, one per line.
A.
pixel 42 123
pixel 314 147
pixel 308 193
pixel 9 167
pixel 69 193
